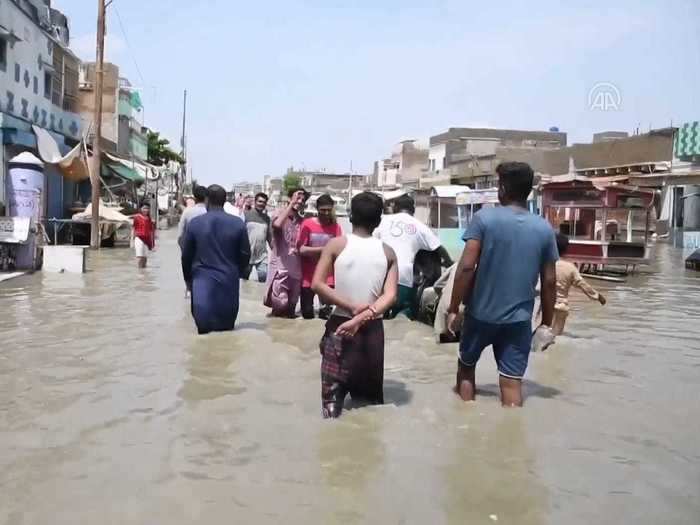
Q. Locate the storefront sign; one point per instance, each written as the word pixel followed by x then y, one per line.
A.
pixel 477 197
pixel 14 230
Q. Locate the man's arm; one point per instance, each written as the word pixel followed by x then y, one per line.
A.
pixel 181 227
pixel 464 276
pixel 244 249
pixel 592 293
pixel 188 249
pixel 282 217
pixel 548 295
pixel 323 270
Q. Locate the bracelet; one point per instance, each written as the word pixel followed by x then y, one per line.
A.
pixel 372 309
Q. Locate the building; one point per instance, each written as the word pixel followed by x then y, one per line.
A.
pixel 132 136
pixel 407 164
pixel 246 188
pixel 647 153
pixel 470 155
pixel 38 86
pixel 123 132
pixel 605 136
pixel 666 159
pixel 272 186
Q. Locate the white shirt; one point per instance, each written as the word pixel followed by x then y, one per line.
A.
pixel 360 271
pixel 407 236
pixel 234 210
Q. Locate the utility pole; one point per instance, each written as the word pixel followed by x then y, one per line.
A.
pixel 183 145
pixel 96 146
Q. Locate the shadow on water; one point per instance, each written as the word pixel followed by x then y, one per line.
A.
pixel 250 326
pixel 395 393
pixel 530 389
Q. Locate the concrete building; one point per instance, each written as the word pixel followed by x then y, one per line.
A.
pixel 647 153
pixel 246 188
pixel 470 155
pixel 39 86
pixel 407 164
pixel 273 187
pixel 605 136
pixel 122 112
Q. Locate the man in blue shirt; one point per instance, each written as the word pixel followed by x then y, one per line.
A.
pixel 507 249
pixel 214 253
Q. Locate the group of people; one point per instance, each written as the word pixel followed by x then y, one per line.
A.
pixel 366 275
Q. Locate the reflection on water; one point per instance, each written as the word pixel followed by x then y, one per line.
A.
pixel 113 410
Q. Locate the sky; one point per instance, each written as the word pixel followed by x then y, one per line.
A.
pixel 323 84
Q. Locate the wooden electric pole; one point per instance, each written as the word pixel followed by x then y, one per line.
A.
pixel 183 145
pixel 96 146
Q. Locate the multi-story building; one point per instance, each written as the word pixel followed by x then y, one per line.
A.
pixel 246 188
pixel 470 155
pixel 38 86
pixel 122 112
pixel 333 183
pixel 407 164
pixel 132 137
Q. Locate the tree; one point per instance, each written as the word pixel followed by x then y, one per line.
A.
pixel 159 152
pixel 291 180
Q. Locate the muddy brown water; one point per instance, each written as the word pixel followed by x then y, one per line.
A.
pixel 113 411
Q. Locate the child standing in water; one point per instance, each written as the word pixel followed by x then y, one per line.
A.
pixel 568 276
pixel 143 234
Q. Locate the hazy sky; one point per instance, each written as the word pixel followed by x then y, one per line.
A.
pixel 321 83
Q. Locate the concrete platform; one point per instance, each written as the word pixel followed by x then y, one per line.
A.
pixel 10 275
pixel 59 259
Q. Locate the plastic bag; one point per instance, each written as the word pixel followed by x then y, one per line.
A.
pixel 542 338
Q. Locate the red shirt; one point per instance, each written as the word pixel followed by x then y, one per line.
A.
pixel 144 230
pixel 316 235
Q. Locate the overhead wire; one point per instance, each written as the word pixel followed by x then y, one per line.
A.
pixel 128 44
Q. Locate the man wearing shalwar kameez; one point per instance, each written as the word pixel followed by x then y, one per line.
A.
pixel 215 251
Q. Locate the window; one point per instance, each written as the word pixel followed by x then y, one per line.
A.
pixel 18 72
pixel 47 85
pixel 3 55
pixel 36 86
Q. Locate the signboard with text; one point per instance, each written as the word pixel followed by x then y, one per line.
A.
pixel 15 230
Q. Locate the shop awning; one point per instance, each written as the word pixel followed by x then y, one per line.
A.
pixel 120 170
pixel 72 165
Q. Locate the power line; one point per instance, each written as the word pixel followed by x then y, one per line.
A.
pixel 128 44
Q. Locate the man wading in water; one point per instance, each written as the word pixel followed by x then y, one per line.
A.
pixel 366 277
pixel 284 271
pixel 214 253
pixel 507 248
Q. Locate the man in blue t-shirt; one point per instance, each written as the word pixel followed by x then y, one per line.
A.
pixel 507 249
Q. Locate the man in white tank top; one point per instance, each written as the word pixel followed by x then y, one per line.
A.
pixel 366 282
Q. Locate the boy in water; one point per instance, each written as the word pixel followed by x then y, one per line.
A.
pixel 511 248
pixel 366 281
pixel 315 233
pixel 568 276
pixel 143 234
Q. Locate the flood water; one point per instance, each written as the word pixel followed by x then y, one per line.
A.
pixel 113 411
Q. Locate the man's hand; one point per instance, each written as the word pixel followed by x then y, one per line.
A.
pixel 452 324
pixel 297 199
pixel 349 328
pixel 601 299
pixel 357 310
